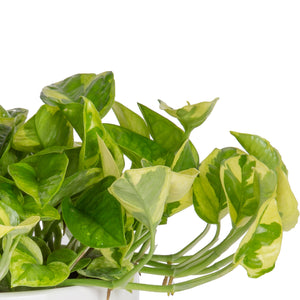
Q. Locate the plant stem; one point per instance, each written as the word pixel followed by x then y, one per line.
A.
pixel 81 253
pixel 127 277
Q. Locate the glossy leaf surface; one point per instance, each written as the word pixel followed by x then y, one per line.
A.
pixel 40 175
pixel 26 267
pixel 96 218
pixel 48 127
pixel 98 88
pixel 135 146
pixel 91 155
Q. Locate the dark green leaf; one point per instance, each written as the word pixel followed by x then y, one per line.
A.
pixel 136 146
pixel 96 218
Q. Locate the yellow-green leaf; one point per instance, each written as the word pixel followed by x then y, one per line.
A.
pixel 287 203
pixel 260 247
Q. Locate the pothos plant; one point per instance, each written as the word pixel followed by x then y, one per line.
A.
pixel 70 214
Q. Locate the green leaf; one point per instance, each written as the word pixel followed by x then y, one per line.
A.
pixel 98 88
pixel 143 193
pixel 91 155
pixel 77 183
pixel 96 218
pixel 260 247
pixel 105 269
pixel 164 132
pixel 26 267
pixel 40 175
pixel 247 183
pixel 265 152
pixel 11 196
pixel 209 198
pixel 136 147
pixel 259 148
pixel 46 213
pixel 130 120
pixel 190 116
pixel 185 158
pixel 47 128
pixel 64 255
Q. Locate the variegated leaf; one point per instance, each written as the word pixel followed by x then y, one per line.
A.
pixel 190 116
pixel 265 152
pixel 259 148
pixel 209 198
pixel 242 179
pixel 185 158
pixel 181 183
pixel 47 128
pixel 27 269
pixel 143 193
pixel 40 175
pixel 98 88
pixel 260 247
pixel 91 155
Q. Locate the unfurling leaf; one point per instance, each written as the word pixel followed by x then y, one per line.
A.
pixel 190 116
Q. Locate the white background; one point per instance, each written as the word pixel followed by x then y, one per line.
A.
pixel 245 52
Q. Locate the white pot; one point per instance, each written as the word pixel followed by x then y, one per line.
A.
pixel 74 293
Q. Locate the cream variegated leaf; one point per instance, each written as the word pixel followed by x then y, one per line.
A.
pixel 181 183
pixel 265 152
pixel 209 198
pixel 260 247
pixel 247 183
pixel 143 193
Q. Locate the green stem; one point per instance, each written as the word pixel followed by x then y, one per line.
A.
pixel 213 253
pixel 201 252
pixel 138 243
pixel 137 268
pixel 174 257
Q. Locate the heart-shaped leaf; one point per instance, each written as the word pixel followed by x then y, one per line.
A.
pixel 143 193
pixel 40 175
pixel 26 267
pixel 96 218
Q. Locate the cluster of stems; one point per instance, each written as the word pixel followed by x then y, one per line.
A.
pixel 203 266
